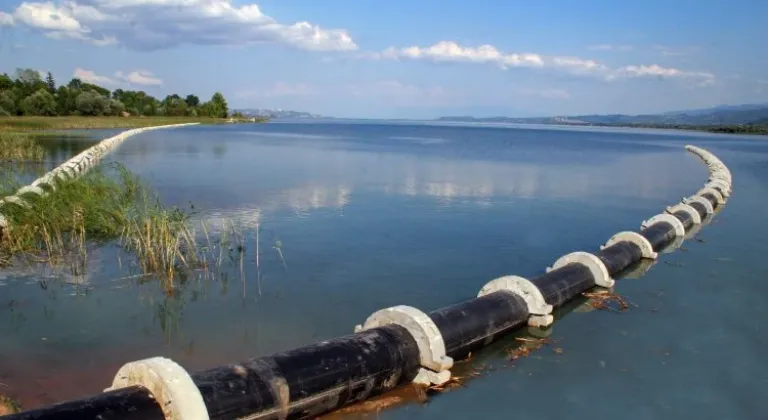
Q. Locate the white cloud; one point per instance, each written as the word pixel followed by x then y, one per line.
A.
pixel 139 77
pixel 89 76
pixel 6 19
pixel 449 51
pixel 155 24
pixel 609 47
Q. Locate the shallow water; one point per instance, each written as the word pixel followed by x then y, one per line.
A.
pixel 370 215
pixel 58 148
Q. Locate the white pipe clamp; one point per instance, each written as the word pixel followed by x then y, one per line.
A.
pixel 695 229
pixel 592 262
pixel 725 188
pixel 701 200
pixel 695 216
pixel 633 237
pixel 172 387
pixel 432 354
pixel 717 194
pixel 15 200
pixel 667 218
pixel 34 189
pixel 538 308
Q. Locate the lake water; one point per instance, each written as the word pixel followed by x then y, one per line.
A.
pixel 357 216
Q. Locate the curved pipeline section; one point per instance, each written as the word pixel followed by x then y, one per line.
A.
pixel 74 167
pixel 396 345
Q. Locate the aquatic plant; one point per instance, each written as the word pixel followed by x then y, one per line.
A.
pixel 106 204
pixel 20 146
pixel 161 239
pixel 55 226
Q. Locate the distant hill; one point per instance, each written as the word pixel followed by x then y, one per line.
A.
pixel 276 113
pixel 749 114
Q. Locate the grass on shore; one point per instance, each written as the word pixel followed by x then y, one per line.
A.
pixel 20 147
pixel 22 124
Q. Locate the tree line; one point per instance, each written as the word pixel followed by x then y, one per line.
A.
pixel 28 93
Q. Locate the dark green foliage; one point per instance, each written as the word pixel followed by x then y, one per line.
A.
pixel 192 101
pixel 51 83
pixel 39 103
pixel 26 93
pixel 92 103
pixel 7 101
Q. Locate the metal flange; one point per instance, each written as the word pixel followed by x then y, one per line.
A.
pixel 172 387
pixel 592 262
pixel 633 237
pixel 434 361
pixel 695 216
pixel 538 308
pixel 701 200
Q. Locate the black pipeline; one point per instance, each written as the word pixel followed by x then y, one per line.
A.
pixel 393 346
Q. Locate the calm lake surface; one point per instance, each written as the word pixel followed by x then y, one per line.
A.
pixel 370 215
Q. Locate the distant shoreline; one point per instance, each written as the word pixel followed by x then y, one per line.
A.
pixel 720 129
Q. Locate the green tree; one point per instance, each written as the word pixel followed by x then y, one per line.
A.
pixel 75 84
pixel 92 103
pixel 174 106
pixel 217 106
pixel 28 76
pixel 51 83
pixel 116 107
pixel 8 102
pixel 28 81
pixel 96 88
pixel 66 100
pixel 192 101
pixel 39 103
pixel 150 110
pixel 5 82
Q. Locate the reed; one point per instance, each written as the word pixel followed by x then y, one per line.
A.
pixel 21 124
pixel 57 226
pixel 20 147
pixel 110 205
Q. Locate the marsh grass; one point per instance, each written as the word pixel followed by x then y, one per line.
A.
pixel 20 147
pixel 162 241
pixel 57 226
pixel 105 205
pixel 19 124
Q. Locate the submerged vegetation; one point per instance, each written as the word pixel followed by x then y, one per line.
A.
pixel 20 147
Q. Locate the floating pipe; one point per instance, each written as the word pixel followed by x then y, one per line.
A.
pixel 477 322
pixel 74 167
pixel 131 403
pixel 395 345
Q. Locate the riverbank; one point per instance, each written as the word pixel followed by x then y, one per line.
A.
pixel 27 124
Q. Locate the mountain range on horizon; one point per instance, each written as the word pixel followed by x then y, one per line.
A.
pixel 744 114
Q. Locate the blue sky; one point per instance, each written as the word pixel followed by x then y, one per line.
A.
pixel 396 58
